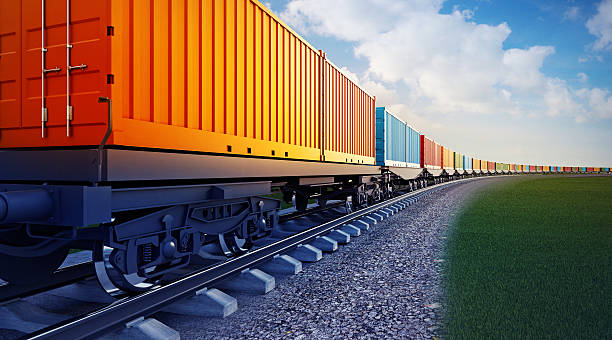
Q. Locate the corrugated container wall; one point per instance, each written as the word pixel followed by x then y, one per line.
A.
pixel 451 159
pixel 413 150
pixel 349 118
pixel 458 161
pixel 491 166
pixel 448 158
pixel 430 153
pixel 475 164
pixel 32 115
pixel 221 76
pixel 390 139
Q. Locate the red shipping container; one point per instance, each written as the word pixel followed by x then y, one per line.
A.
pixel 491 166
pixel 431 154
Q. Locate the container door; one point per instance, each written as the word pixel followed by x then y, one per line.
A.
pixel 10 82
pixel 64 49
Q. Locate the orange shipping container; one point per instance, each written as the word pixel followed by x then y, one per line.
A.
pixel 222 76
pixel 447 158
pixel 475 164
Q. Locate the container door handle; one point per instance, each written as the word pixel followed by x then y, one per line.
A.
pixel 43 50
pixel 69 109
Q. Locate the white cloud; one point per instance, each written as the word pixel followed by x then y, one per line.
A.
pixel 572 13
pixel 435 70
pixel 444 63
pixel 598 101
pixel 600 26
pixel 582 77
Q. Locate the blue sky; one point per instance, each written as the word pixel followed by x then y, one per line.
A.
pixel 511 81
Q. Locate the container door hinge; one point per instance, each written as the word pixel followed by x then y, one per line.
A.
pixel 110 78
pixel 43 116
pixel 69 113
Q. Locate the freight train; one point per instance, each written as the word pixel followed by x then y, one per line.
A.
pixel 155 132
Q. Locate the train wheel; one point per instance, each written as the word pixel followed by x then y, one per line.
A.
pixel 301 202
pixel 232 245
pixel 322 203
pixel 348 206
pixel 18 269
pixel 112 280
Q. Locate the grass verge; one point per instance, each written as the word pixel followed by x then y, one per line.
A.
pixel 533 259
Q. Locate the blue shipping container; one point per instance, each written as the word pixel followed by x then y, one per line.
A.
pixel 467 162
pixel 390 139
pixel 397 144
pixel 413 149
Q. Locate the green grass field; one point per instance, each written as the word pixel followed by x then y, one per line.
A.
pixel 532 258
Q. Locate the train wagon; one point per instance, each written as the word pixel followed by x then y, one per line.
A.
pixel 398 148
pixel 491 167
pixel 476 165
pixel 167 125
pixel 448 160
pixel 397 143
pixel 458 162
pixel 499 167
pixel 467 163
pixel 391 142
pixel 431 154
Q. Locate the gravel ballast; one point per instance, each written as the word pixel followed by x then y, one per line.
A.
pixel 384 284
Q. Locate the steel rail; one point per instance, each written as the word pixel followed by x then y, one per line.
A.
pixel 297 214
pixel 116 315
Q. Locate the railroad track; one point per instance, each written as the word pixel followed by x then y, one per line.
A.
pixel 84 271
pixel 130 310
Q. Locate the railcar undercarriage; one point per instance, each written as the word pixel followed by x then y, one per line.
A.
pixel 140 230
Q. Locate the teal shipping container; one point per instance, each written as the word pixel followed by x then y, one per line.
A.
pixel 397 144
pixel 467 162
